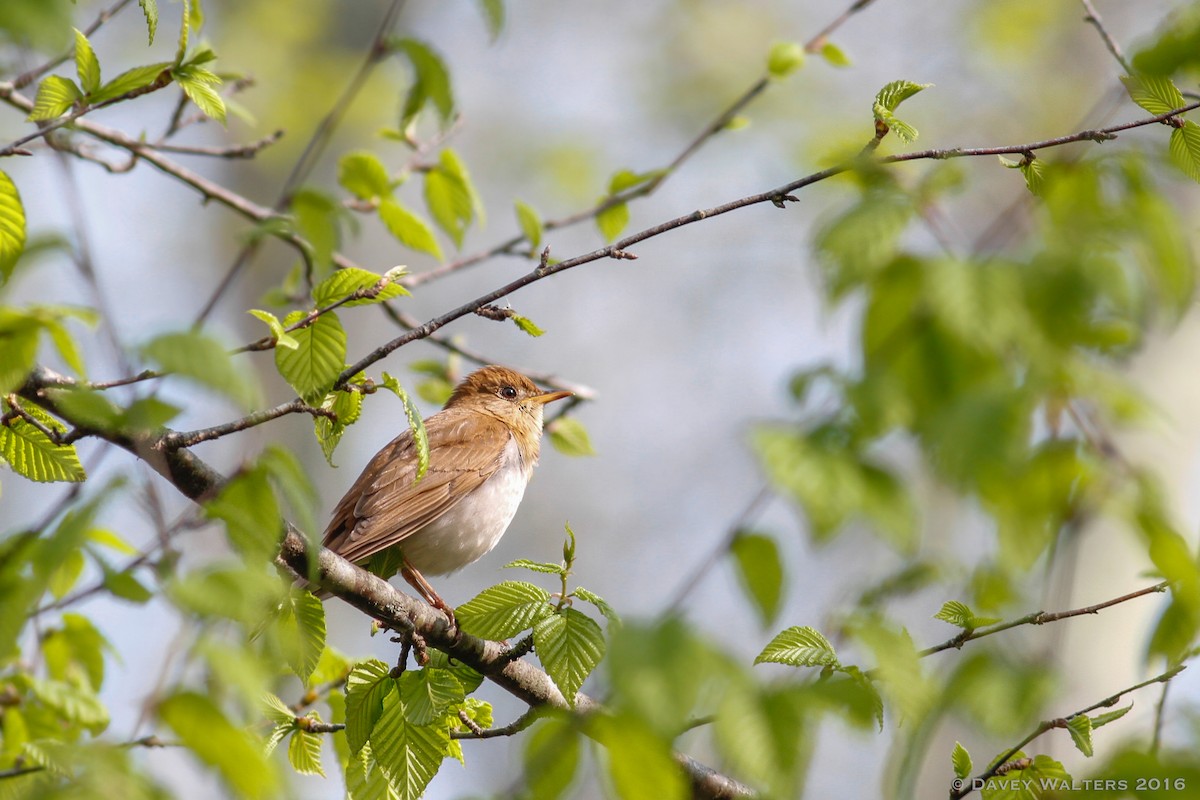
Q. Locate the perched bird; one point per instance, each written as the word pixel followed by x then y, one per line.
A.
pixel 483 446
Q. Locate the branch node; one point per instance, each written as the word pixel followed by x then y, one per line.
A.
pixel 619 254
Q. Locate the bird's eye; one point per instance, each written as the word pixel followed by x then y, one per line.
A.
pixel 508 392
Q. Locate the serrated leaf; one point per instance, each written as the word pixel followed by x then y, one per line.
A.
pixel 363 175
pixel 799 647
pixel 31 453
pixel 569 644
pixel 319 356
pixel 530 222
pixel 431 82
pixel 304 752
pixel 535 566
pixel 1080 728
pixel 961 760
pixel 1185 149
pixel 131 80
pixel 347 406
pixel 71 703
pixel 599 602
pixel 429 694
pixel 55 97
pixel 345 282
pixel 835 55
pixel 448 199
pixel 959 614
pixel 12 229
pixel 150 10
pixel 276 710
pixel 569 437
pixel 784 59
pixel 197 83
pixel 415 424
pixel 309 613
pixel 204 360
pixel 248 508
pixel 369 684
pixel 1155 93
pixel 504 610
pixel 87 66
pixel 527 325
pixel 282 337
pixel 203 729
pixel 760 570
pixel 1100 720
pixel 408 754
pixel 893 94
pixel 408 228
pixel 612 220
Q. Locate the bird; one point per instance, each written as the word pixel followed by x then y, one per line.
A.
pixel 483 446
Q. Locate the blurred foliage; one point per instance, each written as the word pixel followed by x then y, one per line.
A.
pixel 997 376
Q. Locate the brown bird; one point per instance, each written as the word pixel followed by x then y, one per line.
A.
pixel 483 446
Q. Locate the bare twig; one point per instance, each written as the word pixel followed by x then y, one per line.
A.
pixel 1093 17
pixel 516 726
pixel 233 151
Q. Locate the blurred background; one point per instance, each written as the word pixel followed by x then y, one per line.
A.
pixel 686 347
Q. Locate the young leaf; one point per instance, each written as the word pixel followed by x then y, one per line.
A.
pixel 431 82
pixel 363 175
pixel 150 9
pixel 411 230
pixel 202 728
pixel 304 751
pixel 318 358
pixel 1185 149
pixel 530 222
pixel 87 66
pixel 347 406
pixel 409 755
pixel 569 644
pixel 32 453
pixel 1080 728
pixel 132 80
pixel 961 760
pixel 309 614
pixel 612 220
pixel 345 282
pixel 449 199
pixel 535 566
pixel 760 571
pixel 1155 93
pixel 569 437
pixel 197 83
pixel 527 325
pixel 429 695
pixel 599 602
pixel 504 610
pixel 282 337
pixel 799 647
pixel 1101 720
pixel 204 360
pixel 888 99
pixel 415 424
pixel 784 59
pixel 493 16
pixel 55 96
pixel 959 614
pixel 834 55
pixel 369 684
pixel 12 229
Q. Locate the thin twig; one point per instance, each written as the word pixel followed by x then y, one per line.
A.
pixel 516 726
pixel 1093 17
pixel 26 78
pixel 232 151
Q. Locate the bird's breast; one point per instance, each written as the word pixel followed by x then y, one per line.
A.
pixel 475 523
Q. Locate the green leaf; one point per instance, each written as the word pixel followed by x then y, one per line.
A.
pixel 569 437
pixel 799 647
pixel 959 614
pixel 493 16
pixel 317 216
pixel 551 757
pixel 429 694
pixel 203 360
pixel 75 649
pixel 55 96
pixel 640 762
pixel 1185 149
pixel 64 577
pixel 304 751
pixel 760 571
pixel 784 59
pixel 233 591
pixel 431 82
pixel 450 196
pixel 309 614
pixel 197 83
pixel 408 228
pixel 1155 93
pixel 185 25
pixel 504 610
pixel 12 232
pixel 347 406
pixel 344 282
pixel 203 729
pixel 415 424
pixel 87 66
pixel 282 338
pixel 276 710
pixel 569 644
pixel 599 602
pixel 71 703
pixel 319 357
pixel 363 175
pixel 408 754
pixel 150 9
pixel 248 508
pixel 369 684
pixel 1100 720
pixel 612 220
pixel 535 566
pixel 32 453
pixel 527 325
pixel 835 55
pixel 1080 728
pixel 125 586
pixel 961 760
pixel 891 96
pixel 132 80
pixel 624 179
pixel 531 223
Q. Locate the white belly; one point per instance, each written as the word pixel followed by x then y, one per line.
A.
pixel 474 525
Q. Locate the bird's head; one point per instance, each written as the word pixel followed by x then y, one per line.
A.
pixel 505 394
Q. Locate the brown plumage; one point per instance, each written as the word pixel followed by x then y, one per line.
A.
pixel 482 450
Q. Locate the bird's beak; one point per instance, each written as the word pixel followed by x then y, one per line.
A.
pixel 549 397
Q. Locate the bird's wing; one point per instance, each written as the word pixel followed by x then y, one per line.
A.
pixel 385 505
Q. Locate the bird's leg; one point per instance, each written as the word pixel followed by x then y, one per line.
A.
pixel 417 581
